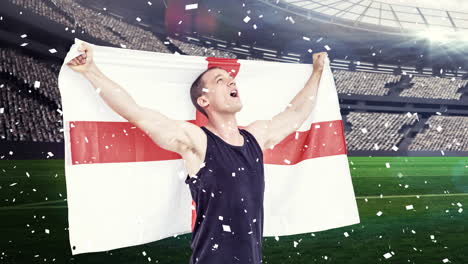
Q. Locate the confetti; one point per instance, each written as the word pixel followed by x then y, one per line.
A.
pixel 379 213
pixel 364 130
pixel 409 207
pixel 287 161
pixel 24 36
pixel 24 44
pixel 144 253
pixel 387 165
pixel 246 20
pixel 191 6
pixel 53 51
pixel 346 234
pixel 149 3
pixel 295 244
pixel 306 38
pixel 387 255
pixel 395 148
pixel 327 47
pixel 47 231
pixel 220 217
pixel 2 110
pixel 13 184
pixel 445 260
pixel 227 228
pixel 276 238
pixel 138 19
pixel 37 84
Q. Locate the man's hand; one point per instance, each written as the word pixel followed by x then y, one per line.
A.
pixel 318 60
pixel 84 62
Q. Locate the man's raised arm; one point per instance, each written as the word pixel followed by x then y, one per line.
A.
pixel 170 134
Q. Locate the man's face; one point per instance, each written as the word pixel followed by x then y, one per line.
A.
pixel 220 92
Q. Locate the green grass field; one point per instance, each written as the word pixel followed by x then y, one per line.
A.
pixel 437 187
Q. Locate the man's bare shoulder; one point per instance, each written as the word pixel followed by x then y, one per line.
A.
pixel 259 129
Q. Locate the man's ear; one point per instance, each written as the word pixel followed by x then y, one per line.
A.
pixel 203 101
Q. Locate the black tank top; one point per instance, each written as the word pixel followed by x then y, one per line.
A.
pixel 228 194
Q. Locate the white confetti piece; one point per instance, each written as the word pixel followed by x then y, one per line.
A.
pixel 227 228
pixel 295 244
pixel 346 234
pixel 445 260
pixel 24 36
pixel 309 50
pixel 138 19
pixel 13 184
pixel 255 220
pixel 409 207
pixel 364 130
pixel 53 51
pixel 387 255
pixel 215 246
pixel 460 210
pixel 327 47
pixel 379 213
pixel 287 161
pixel 144 253
pixel 220 217
pixel 47 231
pixel 276 238
pixel 37 84
pixel 24 44
pixel 27 174
pixel 439 128
pixel 233 174
pixel 149 3
pixel 317 126
pixel 254 26
pixel 2 110
pixel 459 204
pixel 306 38
pixel 191 6
pixel 387 165
pixel 395 148
pixel 432 237
pixel 246 19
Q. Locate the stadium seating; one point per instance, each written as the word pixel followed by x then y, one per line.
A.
pixel 448 133
pixel 36 75
pixel 25 118
pixel 96 24
pixel 434 87
pixel 376 131
pixel 364 83
pixel 192 49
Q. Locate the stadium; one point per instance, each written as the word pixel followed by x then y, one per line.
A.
pixel 400 70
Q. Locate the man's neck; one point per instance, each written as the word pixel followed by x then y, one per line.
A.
pixel 226 128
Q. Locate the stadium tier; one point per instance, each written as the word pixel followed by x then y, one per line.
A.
pixel 435 87
pixel 366 83
pixel 25 118
pixel 446 133
pixel 376 131
pixel 195 50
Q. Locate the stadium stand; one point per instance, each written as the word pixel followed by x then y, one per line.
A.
pixel 46 9
pixel 192 49
pixel 435 87
pixel 96 24
pixel 376 131
pixel 364 83
pixel 35 75
pixel 25 118
pixel 447 133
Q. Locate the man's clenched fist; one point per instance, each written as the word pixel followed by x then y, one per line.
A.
pixel 319 60
pixel 83 62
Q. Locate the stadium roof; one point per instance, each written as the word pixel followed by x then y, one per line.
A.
pixel 401 14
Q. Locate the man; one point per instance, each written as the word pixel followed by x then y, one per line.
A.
pixel 224 163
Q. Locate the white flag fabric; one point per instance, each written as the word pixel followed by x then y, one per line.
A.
pixel 124 190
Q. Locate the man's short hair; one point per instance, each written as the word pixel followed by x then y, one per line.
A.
pixel 197 90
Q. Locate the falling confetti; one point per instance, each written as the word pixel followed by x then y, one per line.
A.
pixel 387 255
pixel 379 213
pixel 53 51
pixel 246 20
pixel 387 165
pixel 227 228
pixel 409 207
pixel 191 6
